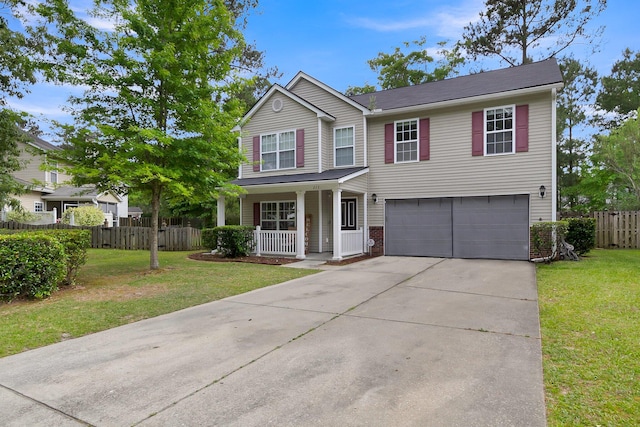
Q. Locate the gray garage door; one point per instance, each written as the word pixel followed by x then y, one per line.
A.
pixel 494 227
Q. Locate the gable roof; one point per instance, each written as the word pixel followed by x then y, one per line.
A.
pixel 39 142
pixel 84 193
pixel 323 115
pixel 302 75
pixel 536 75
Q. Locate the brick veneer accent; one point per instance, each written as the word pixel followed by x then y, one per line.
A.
pixel 377 234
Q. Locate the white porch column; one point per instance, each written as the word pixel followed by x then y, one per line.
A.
pixel 221 214
pixel 336 223
pixel 300 225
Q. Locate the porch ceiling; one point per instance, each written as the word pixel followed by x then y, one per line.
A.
pixel 305 181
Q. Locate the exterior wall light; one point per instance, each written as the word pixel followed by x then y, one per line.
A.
pixel 542 191
pixel 374 197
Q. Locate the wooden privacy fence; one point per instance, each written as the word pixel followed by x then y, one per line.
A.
pixel 131 238
pixel 617 229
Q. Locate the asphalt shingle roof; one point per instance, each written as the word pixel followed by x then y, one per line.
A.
pixel 329 175
pixel 489 82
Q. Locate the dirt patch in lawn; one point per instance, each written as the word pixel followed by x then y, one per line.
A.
pixel 208 256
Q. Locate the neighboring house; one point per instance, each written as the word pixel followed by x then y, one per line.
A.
pixel 47 192
pixel 455 168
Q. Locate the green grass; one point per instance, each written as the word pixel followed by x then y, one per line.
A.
pixel 590 321
pixel 115 287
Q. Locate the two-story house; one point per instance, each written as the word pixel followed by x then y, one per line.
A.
pixel 455 168
pixel 49 193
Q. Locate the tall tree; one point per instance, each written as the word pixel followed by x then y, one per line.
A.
pixel 17 72
pixel 619 152
pixel 575 97
pixel 400 69
pixel 521 31
pixel 619 95
pixel 156 115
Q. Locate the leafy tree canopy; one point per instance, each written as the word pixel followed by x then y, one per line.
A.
pixel 158 110
pixel 521 31
pixel 620 91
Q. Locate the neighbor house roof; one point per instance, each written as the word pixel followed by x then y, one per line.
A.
pixel 537 74
pixel 40 143
pixel 329 175
pixel 85 193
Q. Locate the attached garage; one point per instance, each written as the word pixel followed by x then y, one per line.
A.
pixel 492 227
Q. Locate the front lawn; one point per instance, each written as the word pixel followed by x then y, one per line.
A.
pixel 590 320
pixel 116 287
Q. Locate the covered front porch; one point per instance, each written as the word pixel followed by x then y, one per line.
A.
pixel 295 215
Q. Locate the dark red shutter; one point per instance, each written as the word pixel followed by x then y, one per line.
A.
pixel 388 143
pixel 256 214
pixel 256 154
pixel 522 128
pixel 299 148
pixel 424 139
pixel 477 133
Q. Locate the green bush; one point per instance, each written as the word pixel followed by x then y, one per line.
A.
pixel 75 243
pixel 542 238
pixel 581 233
pixel 22 216
pixel 84 215
pixel 231 240
pixel 31 265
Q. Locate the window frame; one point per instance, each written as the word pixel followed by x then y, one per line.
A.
pixel 278 152
pixel 277 212
pixel 37 204
pixel 352 146
pixel 396 142
pixel 486 132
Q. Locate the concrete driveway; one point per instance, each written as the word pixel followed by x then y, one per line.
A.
pixel 388 341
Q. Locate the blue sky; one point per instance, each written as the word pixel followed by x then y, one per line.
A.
pixel 333 39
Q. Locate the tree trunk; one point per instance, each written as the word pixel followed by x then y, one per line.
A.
pixel 154 264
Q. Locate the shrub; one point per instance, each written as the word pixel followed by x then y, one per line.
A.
pixel 581 233
pixel 231 240
pixel 84 215
pixel 31 264
pixel 75 243
pixel 22 216
pixel 542 238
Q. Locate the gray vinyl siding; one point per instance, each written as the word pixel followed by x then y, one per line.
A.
pixel 31 170
pixel 292 116
pixel 453 171
pixel 345 114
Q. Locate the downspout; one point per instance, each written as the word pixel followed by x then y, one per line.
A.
pixel 365 139
pixel 240 150
pixel 319 146
pixel 554 158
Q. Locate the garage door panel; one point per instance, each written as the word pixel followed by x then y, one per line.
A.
pixel 418 227
pixel 494 227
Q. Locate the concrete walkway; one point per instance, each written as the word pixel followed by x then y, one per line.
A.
pixel 388 341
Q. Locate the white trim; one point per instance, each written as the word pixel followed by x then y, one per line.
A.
pixel 353 175
pixel 319 146
pixel 554 158
pixel 295 148
pixel 365 138
pixel 422 108
pixel 353 146
pixel 513 130
pixel 332 91
pixel 240 150
pixel 320 208
pixel 395 141
pixel 38 203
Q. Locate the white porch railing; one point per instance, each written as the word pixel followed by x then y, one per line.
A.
pixel 352 242
pixel 273 242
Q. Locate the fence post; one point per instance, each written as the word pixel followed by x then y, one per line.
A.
pixel 257 234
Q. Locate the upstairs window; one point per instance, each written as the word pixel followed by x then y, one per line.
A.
pixel 499 134
pixel 278 150
pixel 406 141
pixel 343 140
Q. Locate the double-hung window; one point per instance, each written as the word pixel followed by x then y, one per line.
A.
pixel 277 215
pixel 499 130
pixel 278 150
pixel 406 141
pixel 343 140
pixel 38 206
